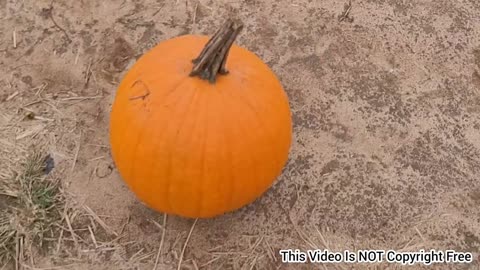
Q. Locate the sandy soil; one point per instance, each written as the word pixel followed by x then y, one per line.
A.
pixel 386 109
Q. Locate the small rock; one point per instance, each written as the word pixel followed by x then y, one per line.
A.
pixel 49 164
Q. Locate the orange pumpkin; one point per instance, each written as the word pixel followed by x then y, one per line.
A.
pixel 193 139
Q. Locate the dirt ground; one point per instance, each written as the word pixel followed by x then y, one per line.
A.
pixel 386 111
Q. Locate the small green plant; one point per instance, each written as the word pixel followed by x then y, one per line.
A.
pixel 30 208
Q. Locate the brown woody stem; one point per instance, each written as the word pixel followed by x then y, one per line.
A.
pixel 213 57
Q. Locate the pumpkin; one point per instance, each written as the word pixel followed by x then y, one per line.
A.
pixel 193 139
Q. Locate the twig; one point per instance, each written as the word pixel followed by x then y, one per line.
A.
pixel 145 256
pixel 407 245
pixel 302 234
pixel 31 255
pixel 105 244
pixel 18 251
pixel 88 73
pixel 97 158
pixel 210 262
pixel 98 145
pixel 132 258
pixel 76 57
pixel 346 11
pixel 323 239
pixel 33 103
pixel 125 225
pixel 12 96
pixel 324 242
pixel 256 244
pixel 14 38
pixel 33 131
pixel 92 236
pixel 185 245
pixel 70 228
pixel 61 267
pixel 50 15
pixel 254 262
pixel 271 253
pixel 194 16
pixel 59 242
pixel 76 154
pixel 80 98
pixel 161 241
pixel 43 119
pixel 195 265
pixel 420 234
pixel 9 194
pixel 158 10
pixel 99 220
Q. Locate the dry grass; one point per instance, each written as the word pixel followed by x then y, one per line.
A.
pixel 32 206
pixel 38 219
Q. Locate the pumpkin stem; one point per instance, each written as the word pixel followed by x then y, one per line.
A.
pixel 213 57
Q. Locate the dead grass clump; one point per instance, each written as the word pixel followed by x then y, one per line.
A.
pixel 30 210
